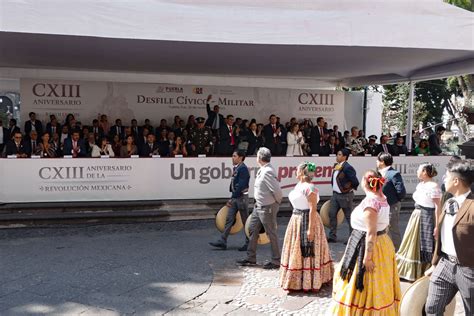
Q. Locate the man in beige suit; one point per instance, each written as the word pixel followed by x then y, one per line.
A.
pixel 453 259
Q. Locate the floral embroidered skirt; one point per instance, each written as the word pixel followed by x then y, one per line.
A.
pixel 381 294
pixel 307 274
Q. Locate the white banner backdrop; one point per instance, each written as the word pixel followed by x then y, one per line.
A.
pixel 55 180
pixel 86 99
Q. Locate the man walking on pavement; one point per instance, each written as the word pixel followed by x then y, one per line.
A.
pixel 343 181
pixel 453 258
pixel 239 201
pixel 394 190
pixel 268 196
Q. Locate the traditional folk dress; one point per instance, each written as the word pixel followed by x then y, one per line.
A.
pixel 355 291
pixel 416 250
pixel 304 265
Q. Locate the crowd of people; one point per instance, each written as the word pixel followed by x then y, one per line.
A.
pixel 215 135
pixel 438 241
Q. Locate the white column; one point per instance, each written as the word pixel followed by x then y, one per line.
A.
pixel 411 97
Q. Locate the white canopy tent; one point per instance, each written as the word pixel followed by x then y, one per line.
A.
pixel 275 43
pixel 339 42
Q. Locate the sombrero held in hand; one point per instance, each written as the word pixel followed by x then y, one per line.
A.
pixel 221 218
pixel 414 299
pixel 324 213
pixel 262 237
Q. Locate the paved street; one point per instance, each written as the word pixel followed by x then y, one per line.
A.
pixel 141 269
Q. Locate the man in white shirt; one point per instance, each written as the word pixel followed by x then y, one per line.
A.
pixel 453 259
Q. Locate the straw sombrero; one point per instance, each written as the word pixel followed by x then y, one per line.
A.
pixel 221 218
pixel 414 299
pixel 324 213
pixel 262 238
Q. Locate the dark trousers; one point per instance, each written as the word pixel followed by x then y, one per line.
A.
pixel 344 201
pixel 447 279
pixel 241 205
pixel 394 227
pixel 265 216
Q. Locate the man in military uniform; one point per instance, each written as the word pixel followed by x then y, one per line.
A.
pixel 371 146
pixel 201 138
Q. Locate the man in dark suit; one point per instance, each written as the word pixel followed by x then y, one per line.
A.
pixel 228 137
pixel 214 119
pixel 453 258
pixel 53 126
pixel 344 182
pixel 394 190
pixel 31 144
pixel 434 141
pixel 384 146
pixel 136 131
pixel 239 201
pixel 400 147
pixel 318 137
pixel 74 146
pixel 331 147
pixel 33 125
pixel 150 148
pixel 97 130
pixel 13 128
pixel 142 139
pixel 4 136
pixel 16 146
pixel 272 133
pixel 117 129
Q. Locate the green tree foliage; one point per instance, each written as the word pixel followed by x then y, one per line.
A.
pixel 431 98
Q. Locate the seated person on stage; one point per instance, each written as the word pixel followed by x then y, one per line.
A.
pixel 150 148
pixel 74 146
pixel 16 146
pixel 31 144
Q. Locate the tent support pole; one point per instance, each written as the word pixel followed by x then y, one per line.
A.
pixel 410 116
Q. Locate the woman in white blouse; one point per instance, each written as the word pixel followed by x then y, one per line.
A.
pixel 295 140
pixel 105 149
pixel 416 250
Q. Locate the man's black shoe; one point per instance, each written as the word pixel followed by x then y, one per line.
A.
pixel 243 248
pixel 332 240
pixel 219 245
pixel 245 263
pixel 345 243
pixel 271 266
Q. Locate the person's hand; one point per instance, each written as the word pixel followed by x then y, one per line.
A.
pixel 207 149
pixel 435 233
pixel 429 271
pixel 369 265
pixel 310 234
pixel 229 203
pixel 209 97
pixel 193 147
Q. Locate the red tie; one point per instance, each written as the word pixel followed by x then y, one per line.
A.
pixel 232 140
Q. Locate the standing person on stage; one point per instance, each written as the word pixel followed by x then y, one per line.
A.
pixel 394 190
pixel 344 181
pixel 416 251
pixel 239 201
pixel 268 196
pixel 367 278
pixel 306 262
pixel 454 252
pixel 214 119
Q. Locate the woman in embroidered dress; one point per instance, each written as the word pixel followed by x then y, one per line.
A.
pixel 306 262
pixel 366 281
pixel 416 250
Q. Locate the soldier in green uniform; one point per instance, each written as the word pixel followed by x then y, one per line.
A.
pixel 201 138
